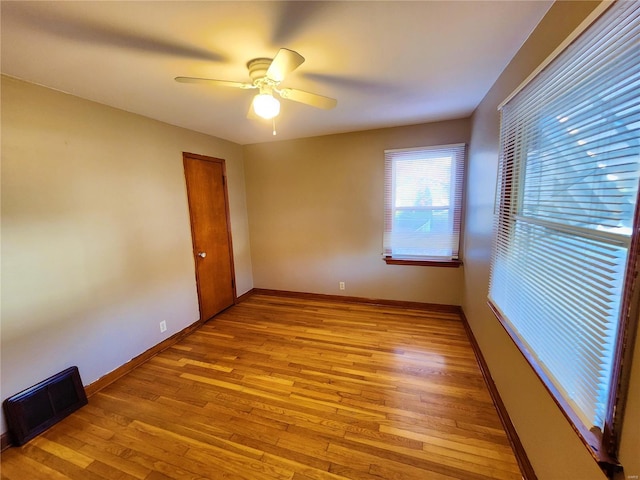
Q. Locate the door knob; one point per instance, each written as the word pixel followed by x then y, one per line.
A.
pixel 202 254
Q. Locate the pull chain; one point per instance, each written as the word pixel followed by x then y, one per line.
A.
pixel 274 126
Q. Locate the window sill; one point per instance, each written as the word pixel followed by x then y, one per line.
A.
pixel 591 439
pixel 423 263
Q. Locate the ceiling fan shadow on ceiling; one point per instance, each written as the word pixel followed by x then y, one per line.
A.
pixel 266 76
pixel 58 21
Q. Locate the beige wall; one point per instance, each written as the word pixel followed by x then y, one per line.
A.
pixel 96 242
pixel 96 248
pixel 554 449
pixel 316 215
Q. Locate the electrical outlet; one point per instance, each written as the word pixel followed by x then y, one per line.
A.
pixel 163 326
pixel 341 285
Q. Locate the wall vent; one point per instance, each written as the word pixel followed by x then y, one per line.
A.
pixel 34 410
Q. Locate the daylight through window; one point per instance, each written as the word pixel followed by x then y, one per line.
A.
pixel 566 203
pixel 423 200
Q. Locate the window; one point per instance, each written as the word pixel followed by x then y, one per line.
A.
pixel 423 204
pixel 566 233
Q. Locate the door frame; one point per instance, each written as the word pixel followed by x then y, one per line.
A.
pixel 195 156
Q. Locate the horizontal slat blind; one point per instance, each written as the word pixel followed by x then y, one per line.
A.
pixel 423 202
pixel 568 184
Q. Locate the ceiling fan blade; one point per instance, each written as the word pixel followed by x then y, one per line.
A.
pixel 285 61
pixel 307 98
pixel 211 81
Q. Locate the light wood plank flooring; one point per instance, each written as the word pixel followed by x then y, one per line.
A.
pixel 286 388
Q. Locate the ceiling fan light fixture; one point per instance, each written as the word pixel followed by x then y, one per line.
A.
pixel 266 75
pixel 266 106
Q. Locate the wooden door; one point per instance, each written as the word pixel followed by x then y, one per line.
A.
pixel 210 232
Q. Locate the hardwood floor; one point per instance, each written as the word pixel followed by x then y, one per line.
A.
pixel 286 388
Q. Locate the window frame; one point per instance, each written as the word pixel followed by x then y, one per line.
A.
pixel 458 153
pixel 602 447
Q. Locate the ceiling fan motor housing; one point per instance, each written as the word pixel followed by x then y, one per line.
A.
pixel 258 68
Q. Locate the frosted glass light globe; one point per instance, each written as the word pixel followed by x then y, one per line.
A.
pixel 266 106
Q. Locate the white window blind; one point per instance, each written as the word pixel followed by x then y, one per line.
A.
pixel 423 202
pixel 566 199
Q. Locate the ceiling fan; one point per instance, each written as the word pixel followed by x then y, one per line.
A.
pixel 266 75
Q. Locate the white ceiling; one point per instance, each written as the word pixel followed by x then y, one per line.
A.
pixel 387 63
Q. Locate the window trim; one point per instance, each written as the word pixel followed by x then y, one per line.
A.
pixel 457 192
pixel 586 23
pixel 591 441
pixel 423 262
pixel 602 447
